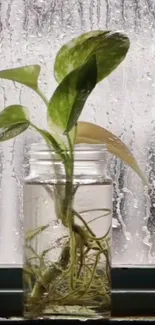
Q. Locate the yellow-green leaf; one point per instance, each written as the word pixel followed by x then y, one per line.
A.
pixel 51 140
pixel 13 121
pixel 27 75
pixel 69 98
pixel 12 131
pixel 110 49
pixel 13 114
pixel 91 133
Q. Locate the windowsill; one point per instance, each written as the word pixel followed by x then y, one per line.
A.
pixel 133 294
pixel 113 320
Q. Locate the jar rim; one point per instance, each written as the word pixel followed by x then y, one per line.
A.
pixel 36 146
pixel 41 151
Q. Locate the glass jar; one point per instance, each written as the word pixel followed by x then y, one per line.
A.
pixel 67 255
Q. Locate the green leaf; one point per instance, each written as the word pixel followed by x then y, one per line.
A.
pixel 91 133
pixel 70 96
pixel 12 131
pixel 13 121
pixel 27 75
pixel 110 49
pixel 13 115
pixel 51 141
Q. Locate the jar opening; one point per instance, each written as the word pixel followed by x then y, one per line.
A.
pixel 46 166
pixel 87 152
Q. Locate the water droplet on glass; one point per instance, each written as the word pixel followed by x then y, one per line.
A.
pixel 135 204
pixel 128 235
pixel 148 74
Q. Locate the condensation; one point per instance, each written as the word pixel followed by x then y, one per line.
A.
pixel 32 31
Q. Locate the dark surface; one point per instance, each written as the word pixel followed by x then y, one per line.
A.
pixel 76 322
pixel 133 293
pixel 122 278
pixel 133 278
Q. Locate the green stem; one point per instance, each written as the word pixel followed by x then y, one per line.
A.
pixel 41 94
pixel 71 151
pixel 91 233
pixel 67 210
pixel 67 201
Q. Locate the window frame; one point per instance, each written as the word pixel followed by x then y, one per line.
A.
pixel 133 292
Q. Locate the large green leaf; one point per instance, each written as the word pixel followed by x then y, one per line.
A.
pixel 91 133
pixel 27 75
pixel 13 121
pixel 110 49
pixel 70 96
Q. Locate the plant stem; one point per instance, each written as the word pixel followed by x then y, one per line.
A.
pixel 71 155
pixel 41 94
pixel 67 201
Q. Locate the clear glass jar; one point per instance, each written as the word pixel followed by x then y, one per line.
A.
pixel 67 260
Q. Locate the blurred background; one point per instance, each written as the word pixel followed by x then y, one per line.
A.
pixel 32 31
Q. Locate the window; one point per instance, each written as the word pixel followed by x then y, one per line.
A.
pixel 32 31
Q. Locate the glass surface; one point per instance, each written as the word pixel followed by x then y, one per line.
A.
pixel 67 247
pixel 32 31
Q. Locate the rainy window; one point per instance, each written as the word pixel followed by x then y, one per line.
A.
pixel 32 31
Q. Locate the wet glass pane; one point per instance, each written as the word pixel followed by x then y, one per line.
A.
pixel 32 31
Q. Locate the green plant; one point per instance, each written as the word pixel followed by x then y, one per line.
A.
pixel 79 66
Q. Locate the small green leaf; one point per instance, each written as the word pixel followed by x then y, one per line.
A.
pixel 91 133
pixel 27 75
pixel 110 49
pixel 70 96
pixel 13 121
pixel 13 115
pixel 12 131
pixel 51 141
